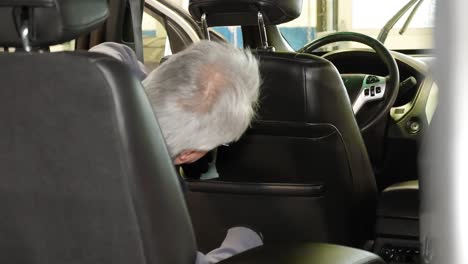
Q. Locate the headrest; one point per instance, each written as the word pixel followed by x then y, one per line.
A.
pixel 245 12
pixel 49 21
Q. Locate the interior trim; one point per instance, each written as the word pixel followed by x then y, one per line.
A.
pixel 276 189
pixel 174 16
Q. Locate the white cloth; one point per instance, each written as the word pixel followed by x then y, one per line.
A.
pixel 238 239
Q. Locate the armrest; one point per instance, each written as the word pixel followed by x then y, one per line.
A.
pixel 400 201
pixel 398 212
pixel 310 253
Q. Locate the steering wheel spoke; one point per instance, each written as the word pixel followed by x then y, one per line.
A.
pixel 367 92
pixel 372 89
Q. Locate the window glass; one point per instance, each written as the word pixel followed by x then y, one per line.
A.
pixel 67 46
pixel 364 17
pixel 319 18
pixel 155 40
pixel 232 34
pixel 301 30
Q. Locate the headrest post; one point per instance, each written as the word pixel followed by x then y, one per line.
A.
pixel 24 32
pixel 22 25
pixel 204 26
pixel 263 33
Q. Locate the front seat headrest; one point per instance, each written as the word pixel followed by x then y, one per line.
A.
pixel 245 12
pixel 49 22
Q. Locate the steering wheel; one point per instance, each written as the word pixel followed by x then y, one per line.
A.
pixel 365 88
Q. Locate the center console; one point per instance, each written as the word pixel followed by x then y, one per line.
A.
pixel 397 226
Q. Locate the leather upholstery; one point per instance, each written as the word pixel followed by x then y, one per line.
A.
pixel 398 211
pixel 305 135
pixel 400 200
pixel 33 3
pixel 86 177
pixel 304 88
pixel 305 254
pixel 280 152
pixel 245 12
pixel 51 21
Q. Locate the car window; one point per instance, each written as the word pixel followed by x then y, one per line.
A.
pixel 67 46
pixel 363 19
pixel 301 30
pixel 232 34
pixel 155 40
pixel 319 18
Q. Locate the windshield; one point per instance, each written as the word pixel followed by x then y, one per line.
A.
pixel 321 17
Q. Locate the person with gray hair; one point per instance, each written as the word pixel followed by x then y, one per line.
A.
pixel 203 97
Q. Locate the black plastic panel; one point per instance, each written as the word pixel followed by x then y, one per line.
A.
pixel 244 12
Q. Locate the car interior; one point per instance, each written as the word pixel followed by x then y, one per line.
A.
pixel 328 171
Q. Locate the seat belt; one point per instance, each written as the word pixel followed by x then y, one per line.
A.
pixel 135 10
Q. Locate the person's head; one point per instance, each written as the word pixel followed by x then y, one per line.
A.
pixel 203 97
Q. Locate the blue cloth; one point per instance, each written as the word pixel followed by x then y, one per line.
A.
pixel 238 239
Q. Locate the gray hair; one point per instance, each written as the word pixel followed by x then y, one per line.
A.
pixel 204 96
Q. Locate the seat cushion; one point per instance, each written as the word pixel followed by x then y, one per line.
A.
pixel 313 253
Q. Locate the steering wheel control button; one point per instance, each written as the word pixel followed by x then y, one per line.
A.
pixel 372 79
pixel 370 91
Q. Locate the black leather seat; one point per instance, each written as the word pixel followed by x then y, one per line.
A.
pixel 85 174
pixel 303 166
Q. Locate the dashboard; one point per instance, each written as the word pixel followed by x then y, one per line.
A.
pixel 418 95
pixel 394 146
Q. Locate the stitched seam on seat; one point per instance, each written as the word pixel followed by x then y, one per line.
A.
pixel 306 138
pixel 126 167
pixel 195 186
pixel 348 156
pixel 304 80
pixel 323 125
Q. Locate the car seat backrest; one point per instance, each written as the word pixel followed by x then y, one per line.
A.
pixel 85 173
pixel 300 95
pixel 305 133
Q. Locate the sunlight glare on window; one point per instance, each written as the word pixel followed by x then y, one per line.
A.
pixel 67 46
pixel 301 30
pixel 155 40
pixel 375 13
